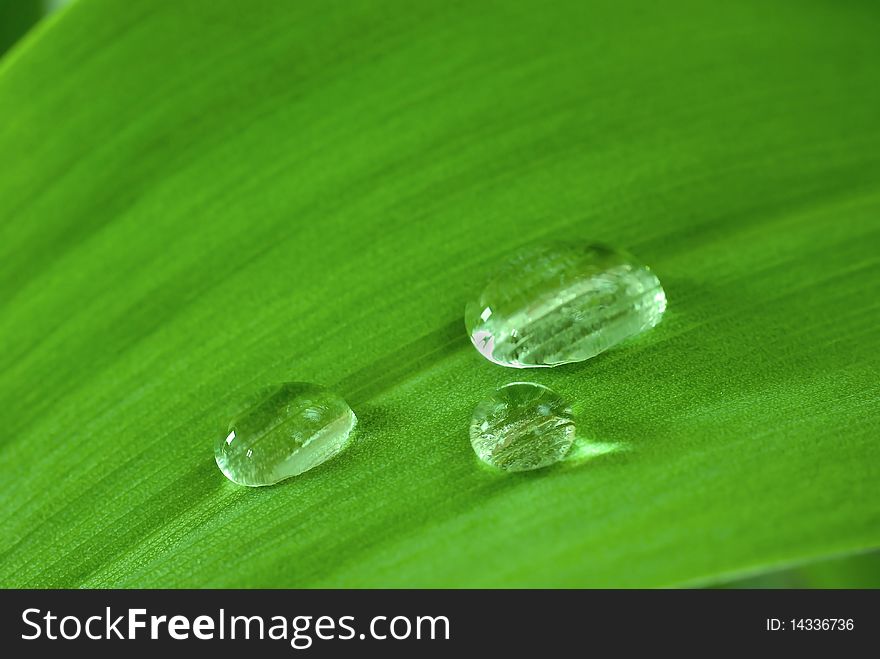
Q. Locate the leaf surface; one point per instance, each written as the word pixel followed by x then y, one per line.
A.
pixel 198 199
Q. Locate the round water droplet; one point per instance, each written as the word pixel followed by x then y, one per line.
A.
pixel 286 430
pixel 561 303
pixel 522 426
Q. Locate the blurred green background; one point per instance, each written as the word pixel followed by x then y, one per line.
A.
pixel 199 198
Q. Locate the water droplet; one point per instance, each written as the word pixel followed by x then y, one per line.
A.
pixel 561 303
pixel 286 430
pixel 522 426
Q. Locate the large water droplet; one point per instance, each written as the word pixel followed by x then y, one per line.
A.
pixel 561 303
pixel 285 431
pixel 522 426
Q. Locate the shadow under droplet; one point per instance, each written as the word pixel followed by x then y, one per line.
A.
pixel 375 418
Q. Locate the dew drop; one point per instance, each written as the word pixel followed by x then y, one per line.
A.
pixel 286 430
pixel 522 426
pixel 560 303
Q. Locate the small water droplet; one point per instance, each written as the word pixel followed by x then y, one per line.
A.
pixel 561 303
pixel 286 430
pixel 522 426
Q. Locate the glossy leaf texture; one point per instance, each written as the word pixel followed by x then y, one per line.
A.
pixel 198 199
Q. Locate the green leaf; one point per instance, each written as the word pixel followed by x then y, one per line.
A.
pixel 852 571
pixel 16 18
pixel 199 199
